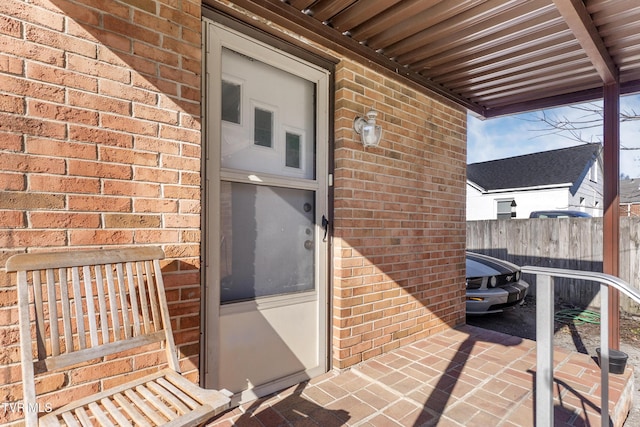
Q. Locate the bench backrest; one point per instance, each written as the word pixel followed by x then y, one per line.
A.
pixel 84 305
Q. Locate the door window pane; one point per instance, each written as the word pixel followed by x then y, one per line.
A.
pixel 267 245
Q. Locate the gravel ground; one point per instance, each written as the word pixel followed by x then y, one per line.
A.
pixel 584 338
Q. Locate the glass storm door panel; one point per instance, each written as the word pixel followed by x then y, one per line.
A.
pixel 268 246
pixel 266 324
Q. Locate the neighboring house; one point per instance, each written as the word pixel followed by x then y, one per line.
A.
pixel 630 197
pixel 565 179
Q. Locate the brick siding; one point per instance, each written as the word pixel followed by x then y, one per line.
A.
pixel 399 217
pixel 100 146
pixel 629 209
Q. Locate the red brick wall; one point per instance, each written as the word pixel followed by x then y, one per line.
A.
pixel 629 209
pixel 100 146
pixel 399 228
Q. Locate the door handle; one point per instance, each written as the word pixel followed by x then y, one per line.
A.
pixel 325 226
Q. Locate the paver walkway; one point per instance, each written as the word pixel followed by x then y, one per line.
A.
pixel 462 377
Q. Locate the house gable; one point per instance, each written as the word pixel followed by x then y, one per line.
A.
pixel 544 169
pixel 568 178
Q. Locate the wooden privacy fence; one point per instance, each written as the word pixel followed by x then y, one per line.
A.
pixel 571 243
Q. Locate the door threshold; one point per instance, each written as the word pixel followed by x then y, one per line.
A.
pixel 272 387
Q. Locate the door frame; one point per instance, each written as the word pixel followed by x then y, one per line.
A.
pixel 211 177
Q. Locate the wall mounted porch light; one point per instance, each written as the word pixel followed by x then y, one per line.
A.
pixel 369 131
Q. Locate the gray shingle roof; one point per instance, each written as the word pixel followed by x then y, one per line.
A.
pixel 566 165
pixel 630 190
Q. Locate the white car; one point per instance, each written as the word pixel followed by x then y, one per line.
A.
pixel 493 285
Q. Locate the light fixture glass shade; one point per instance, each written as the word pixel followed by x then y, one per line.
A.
pixel 371 135
pixel 369 131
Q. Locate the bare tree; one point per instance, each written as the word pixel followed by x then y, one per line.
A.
pixel 590 117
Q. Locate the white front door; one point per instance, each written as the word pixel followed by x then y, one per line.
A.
pixel 266 132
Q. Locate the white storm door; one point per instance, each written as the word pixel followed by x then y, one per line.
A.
pixel 267 143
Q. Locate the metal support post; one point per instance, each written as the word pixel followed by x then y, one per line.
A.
pixel 611 221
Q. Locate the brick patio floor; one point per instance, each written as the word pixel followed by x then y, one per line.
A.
pixel 462 377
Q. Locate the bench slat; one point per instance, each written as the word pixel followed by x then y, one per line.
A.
pixel 40 320
pixel 192 419
pixel 65 301
pixel 124 306
pixel 167 396
pixel 154 401
pixel 178 393
pixel 84 418
pixel 131 410
pixel 53 309
pixel 42 261
pixel 102 304
pixel 133 298
pixel 48 422
pixel 77 302
pixel 143 297
pixel 91 310
pixel 69 359
pixel 151 288
pixel 199 394
pixel 115 413
pixel 100 416
pixel 148 410
pixel 70 420
pixel 113 303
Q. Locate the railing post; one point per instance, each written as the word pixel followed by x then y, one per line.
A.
pixel 604 355
pixel 544 354
pixel 545 331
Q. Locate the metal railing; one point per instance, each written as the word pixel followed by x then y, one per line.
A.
pixel 545 331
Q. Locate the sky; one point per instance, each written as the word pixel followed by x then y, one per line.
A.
pixel 524 134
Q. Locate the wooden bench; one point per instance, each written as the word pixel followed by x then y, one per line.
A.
pixel 82 306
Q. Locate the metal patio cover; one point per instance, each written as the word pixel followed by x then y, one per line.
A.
pixel 494 57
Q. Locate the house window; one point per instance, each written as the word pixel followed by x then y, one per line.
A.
pixel 504 209
pixel 263 128
pixel 292 154
pixel 230 102
pixel 593 172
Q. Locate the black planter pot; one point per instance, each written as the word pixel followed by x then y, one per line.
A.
pixel 617 361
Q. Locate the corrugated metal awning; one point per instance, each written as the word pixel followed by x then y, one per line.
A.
pixel 494 57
